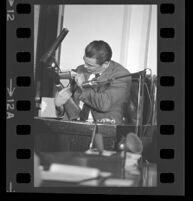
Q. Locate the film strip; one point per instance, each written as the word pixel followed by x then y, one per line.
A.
pixel 170 100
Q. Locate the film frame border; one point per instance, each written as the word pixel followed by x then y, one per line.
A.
pixel 171 77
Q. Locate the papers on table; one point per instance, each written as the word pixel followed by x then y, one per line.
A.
pixel 47 108
pixel 71 173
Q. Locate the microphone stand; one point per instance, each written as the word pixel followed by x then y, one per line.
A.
pixel 124 152
pixel 139 123
pixel 55 70
pixel 49 59
pixel 93 136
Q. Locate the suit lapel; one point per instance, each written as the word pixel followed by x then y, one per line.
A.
pixel 107 74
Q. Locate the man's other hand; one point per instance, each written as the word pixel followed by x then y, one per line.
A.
pixel 80 79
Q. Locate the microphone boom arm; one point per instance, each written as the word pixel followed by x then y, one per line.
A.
pixel 49 58
pixel 55 45
pixel 96 83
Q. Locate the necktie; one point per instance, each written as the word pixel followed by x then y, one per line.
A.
pixel 85 113
pixel 97 75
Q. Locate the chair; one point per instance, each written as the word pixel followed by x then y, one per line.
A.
pixel 140 110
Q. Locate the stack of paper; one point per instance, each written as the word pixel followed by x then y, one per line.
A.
pixel 47 108
pixel 118 182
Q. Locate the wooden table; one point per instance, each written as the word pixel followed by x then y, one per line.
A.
pixel 55 135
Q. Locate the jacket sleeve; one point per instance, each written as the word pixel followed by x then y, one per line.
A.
pixel 102 100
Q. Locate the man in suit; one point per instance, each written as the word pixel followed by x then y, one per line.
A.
pixel 103 102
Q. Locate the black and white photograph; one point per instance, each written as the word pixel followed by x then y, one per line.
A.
pixel 95 92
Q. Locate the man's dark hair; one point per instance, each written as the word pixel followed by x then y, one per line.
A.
pixel 99 50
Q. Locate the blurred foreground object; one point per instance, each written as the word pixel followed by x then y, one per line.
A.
pixel 37 172
pixel 131 143
pixel 134 143
pixel 69 173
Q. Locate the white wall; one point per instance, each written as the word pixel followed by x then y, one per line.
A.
pixel 152 50
pixel 124 27
pixel 136 40
pixel 87 23
pixel 141 38
pixel 36 21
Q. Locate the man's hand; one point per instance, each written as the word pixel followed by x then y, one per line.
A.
pixel 62 97
pixel 80 79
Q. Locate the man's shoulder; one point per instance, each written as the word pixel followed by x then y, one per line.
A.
pixel 118 70
pixel 117 67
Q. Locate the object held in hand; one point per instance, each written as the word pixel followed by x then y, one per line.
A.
pixel 65 91
pixel 62 97
pixel 67 75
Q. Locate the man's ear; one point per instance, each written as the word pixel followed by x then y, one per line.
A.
pixel 106 64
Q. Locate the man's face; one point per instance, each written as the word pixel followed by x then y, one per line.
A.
pixel 92 66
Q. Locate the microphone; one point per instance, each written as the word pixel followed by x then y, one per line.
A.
pixel 131 148
pixel 131 143
pixel 55 45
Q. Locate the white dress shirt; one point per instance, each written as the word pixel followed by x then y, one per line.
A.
pixel 90 117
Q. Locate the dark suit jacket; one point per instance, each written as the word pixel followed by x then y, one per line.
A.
pixel 107 101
